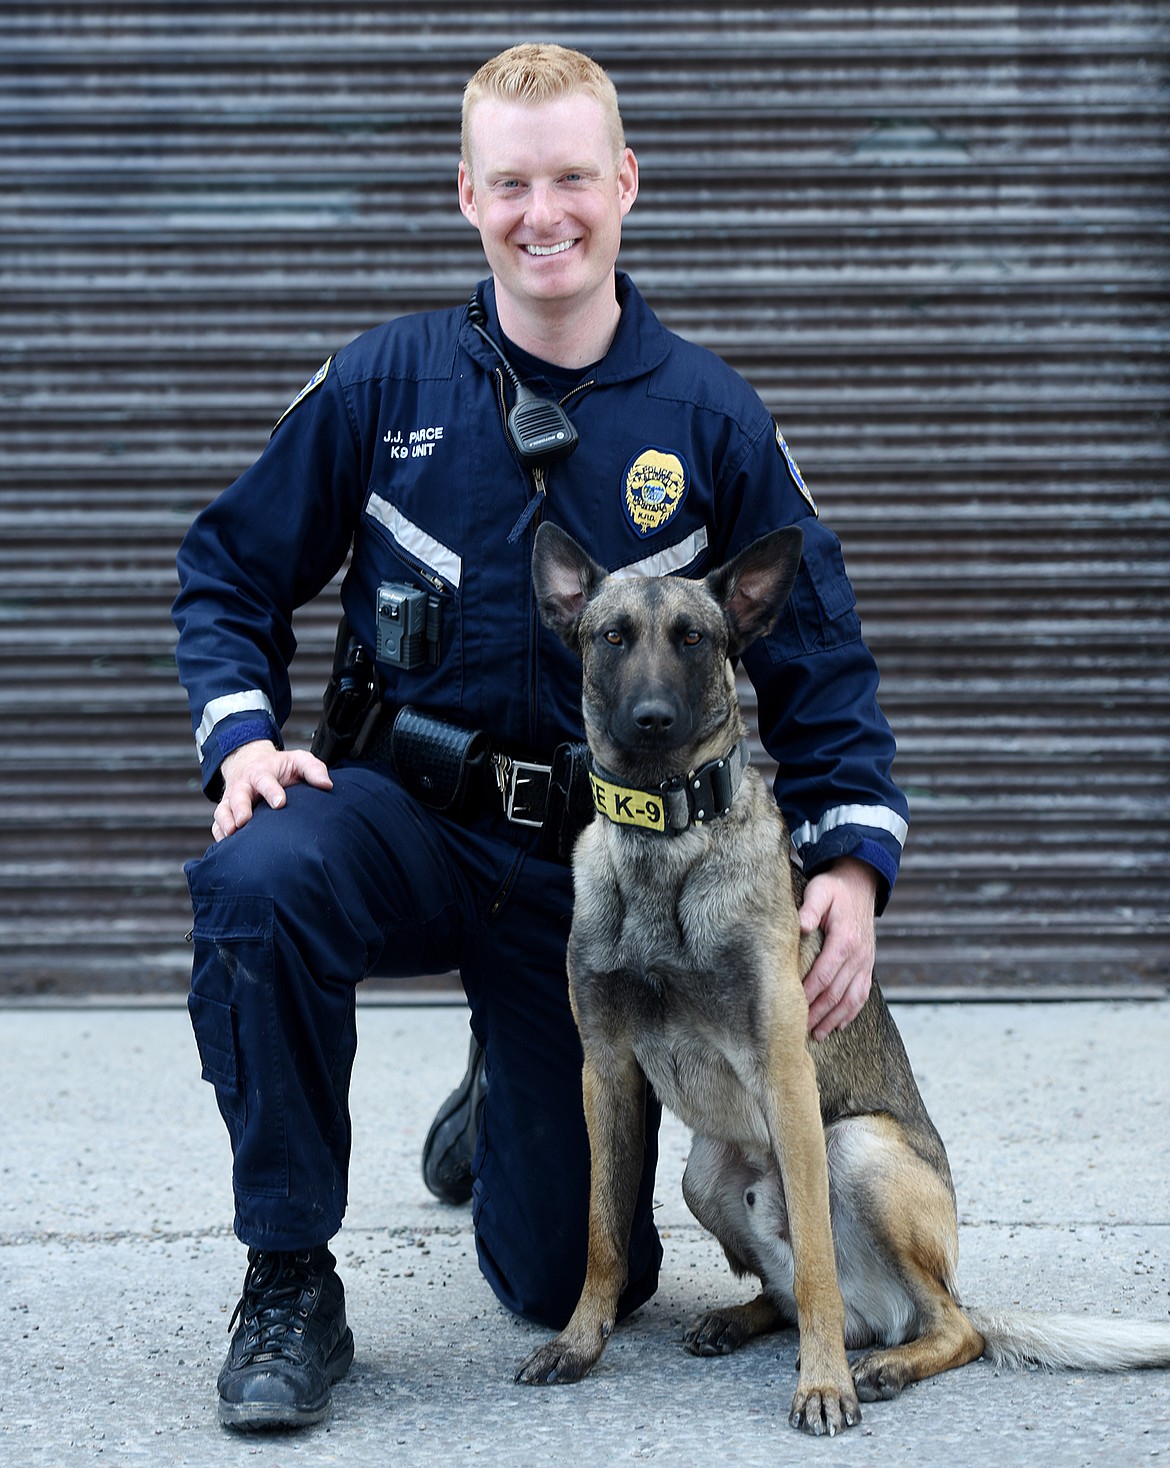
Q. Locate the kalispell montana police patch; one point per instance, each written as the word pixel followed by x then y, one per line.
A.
pixel 794 471
pixel 655 484
pixel 316 380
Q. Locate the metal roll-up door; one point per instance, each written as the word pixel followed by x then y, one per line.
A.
pixel 936 238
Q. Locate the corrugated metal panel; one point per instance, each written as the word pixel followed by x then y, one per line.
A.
pixel 935 237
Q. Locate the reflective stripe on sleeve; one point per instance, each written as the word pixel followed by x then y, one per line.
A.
pixel 250 701
pixel 875 817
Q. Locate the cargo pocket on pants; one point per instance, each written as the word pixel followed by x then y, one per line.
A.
pixel 233 1014
pixel 214 1024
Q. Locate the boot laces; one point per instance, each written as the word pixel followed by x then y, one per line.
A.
pixel 277 1299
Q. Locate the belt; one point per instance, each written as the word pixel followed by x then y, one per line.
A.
pixel 556 797
pixel 524 789
pixel 456 772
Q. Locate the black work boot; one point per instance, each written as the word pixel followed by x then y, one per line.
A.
pixel 292 1343
pixel 450 1143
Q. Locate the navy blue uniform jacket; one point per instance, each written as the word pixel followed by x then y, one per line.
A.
pixel 396 448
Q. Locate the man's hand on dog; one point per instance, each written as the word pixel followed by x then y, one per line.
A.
pixel 260 772
pixel 840 902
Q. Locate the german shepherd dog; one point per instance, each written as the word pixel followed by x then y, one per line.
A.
pixel 815 1165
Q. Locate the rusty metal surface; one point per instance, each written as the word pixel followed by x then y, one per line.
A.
pixel 937 240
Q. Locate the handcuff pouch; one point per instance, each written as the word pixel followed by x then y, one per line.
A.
pixel 440 764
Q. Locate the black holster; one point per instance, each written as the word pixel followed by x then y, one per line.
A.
pixel 570 802
pixel 351 702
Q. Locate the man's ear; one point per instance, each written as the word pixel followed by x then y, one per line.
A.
pixel 467 195
pixel 566 579
pixel 627 181
pixel 754 586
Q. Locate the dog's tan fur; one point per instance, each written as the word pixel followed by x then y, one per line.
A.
pixel 815 1165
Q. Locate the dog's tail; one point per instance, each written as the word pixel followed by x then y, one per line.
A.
pixel 1071 1342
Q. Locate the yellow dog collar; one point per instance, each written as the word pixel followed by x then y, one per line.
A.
pixel 682 801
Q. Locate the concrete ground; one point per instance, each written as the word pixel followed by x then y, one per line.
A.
pixel 118 1270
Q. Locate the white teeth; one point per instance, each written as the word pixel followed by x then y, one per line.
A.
pixel 550 249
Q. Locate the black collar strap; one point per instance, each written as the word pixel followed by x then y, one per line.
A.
pixel 679 802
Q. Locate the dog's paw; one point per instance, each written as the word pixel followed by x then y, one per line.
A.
pixel 717 1333
pixel 878 1376
pixel 557 1362
pixel 824 1412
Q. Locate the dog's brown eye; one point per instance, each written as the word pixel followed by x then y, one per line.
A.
pixel 692 638
pixel 613 637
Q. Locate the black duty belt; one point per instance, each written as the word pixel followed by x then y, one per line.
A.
pixel 456 772
pixel 524 789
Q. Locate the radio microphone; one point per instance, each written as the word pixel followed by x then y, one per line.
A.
pixel 538 428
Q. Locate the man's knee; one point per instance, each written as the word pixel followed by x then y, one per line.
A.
pixel 541 1280
pixel 266 857
pixel 286 869
pixel 535 1287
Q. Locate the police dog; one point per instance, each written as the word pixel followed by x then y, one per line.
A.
pixel 815 1165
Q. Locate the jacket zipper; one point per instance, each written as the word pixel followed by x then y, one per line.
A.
pixel 581 387
pixel 538 515
pixel 534 613
pixel 421 569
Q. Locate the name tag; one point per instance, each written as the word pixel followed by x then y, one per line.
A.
pixel 628 807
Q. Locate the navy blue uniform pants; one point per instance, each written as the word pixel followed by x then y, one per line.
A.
pixel 298 906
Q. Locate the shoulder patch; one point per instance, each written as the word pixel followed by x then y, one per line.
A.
pixel 794 472
pixel 654 486
pixel 316 380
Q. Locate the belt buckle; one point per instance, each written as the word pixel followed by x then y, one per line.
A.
pixel 524 787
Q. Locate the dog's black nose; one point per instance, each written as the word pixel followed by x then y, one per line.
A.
pixel 654 716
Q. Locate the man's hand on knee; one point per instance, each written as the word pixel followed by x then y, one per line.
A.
pixel 260 772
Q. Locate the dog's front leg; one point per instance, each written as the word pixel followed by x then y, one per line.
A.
pixel 615 1105
pixel 825 1400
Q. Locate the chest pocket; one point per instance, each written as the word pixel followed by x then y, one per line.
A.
pixel 401 570
pixel 428 558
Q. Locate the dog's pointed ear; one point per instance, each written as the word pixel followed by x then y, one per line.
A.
pixel 754 586
pixel 566 579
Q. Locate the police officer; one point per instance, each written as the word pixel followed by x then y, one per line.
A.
pixel 433 833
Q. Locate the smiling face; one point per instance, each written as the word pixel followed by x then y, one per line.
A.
pixel 548 190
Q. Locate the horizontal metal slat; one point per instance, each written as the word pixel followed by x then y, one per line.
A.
pixel 936 240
